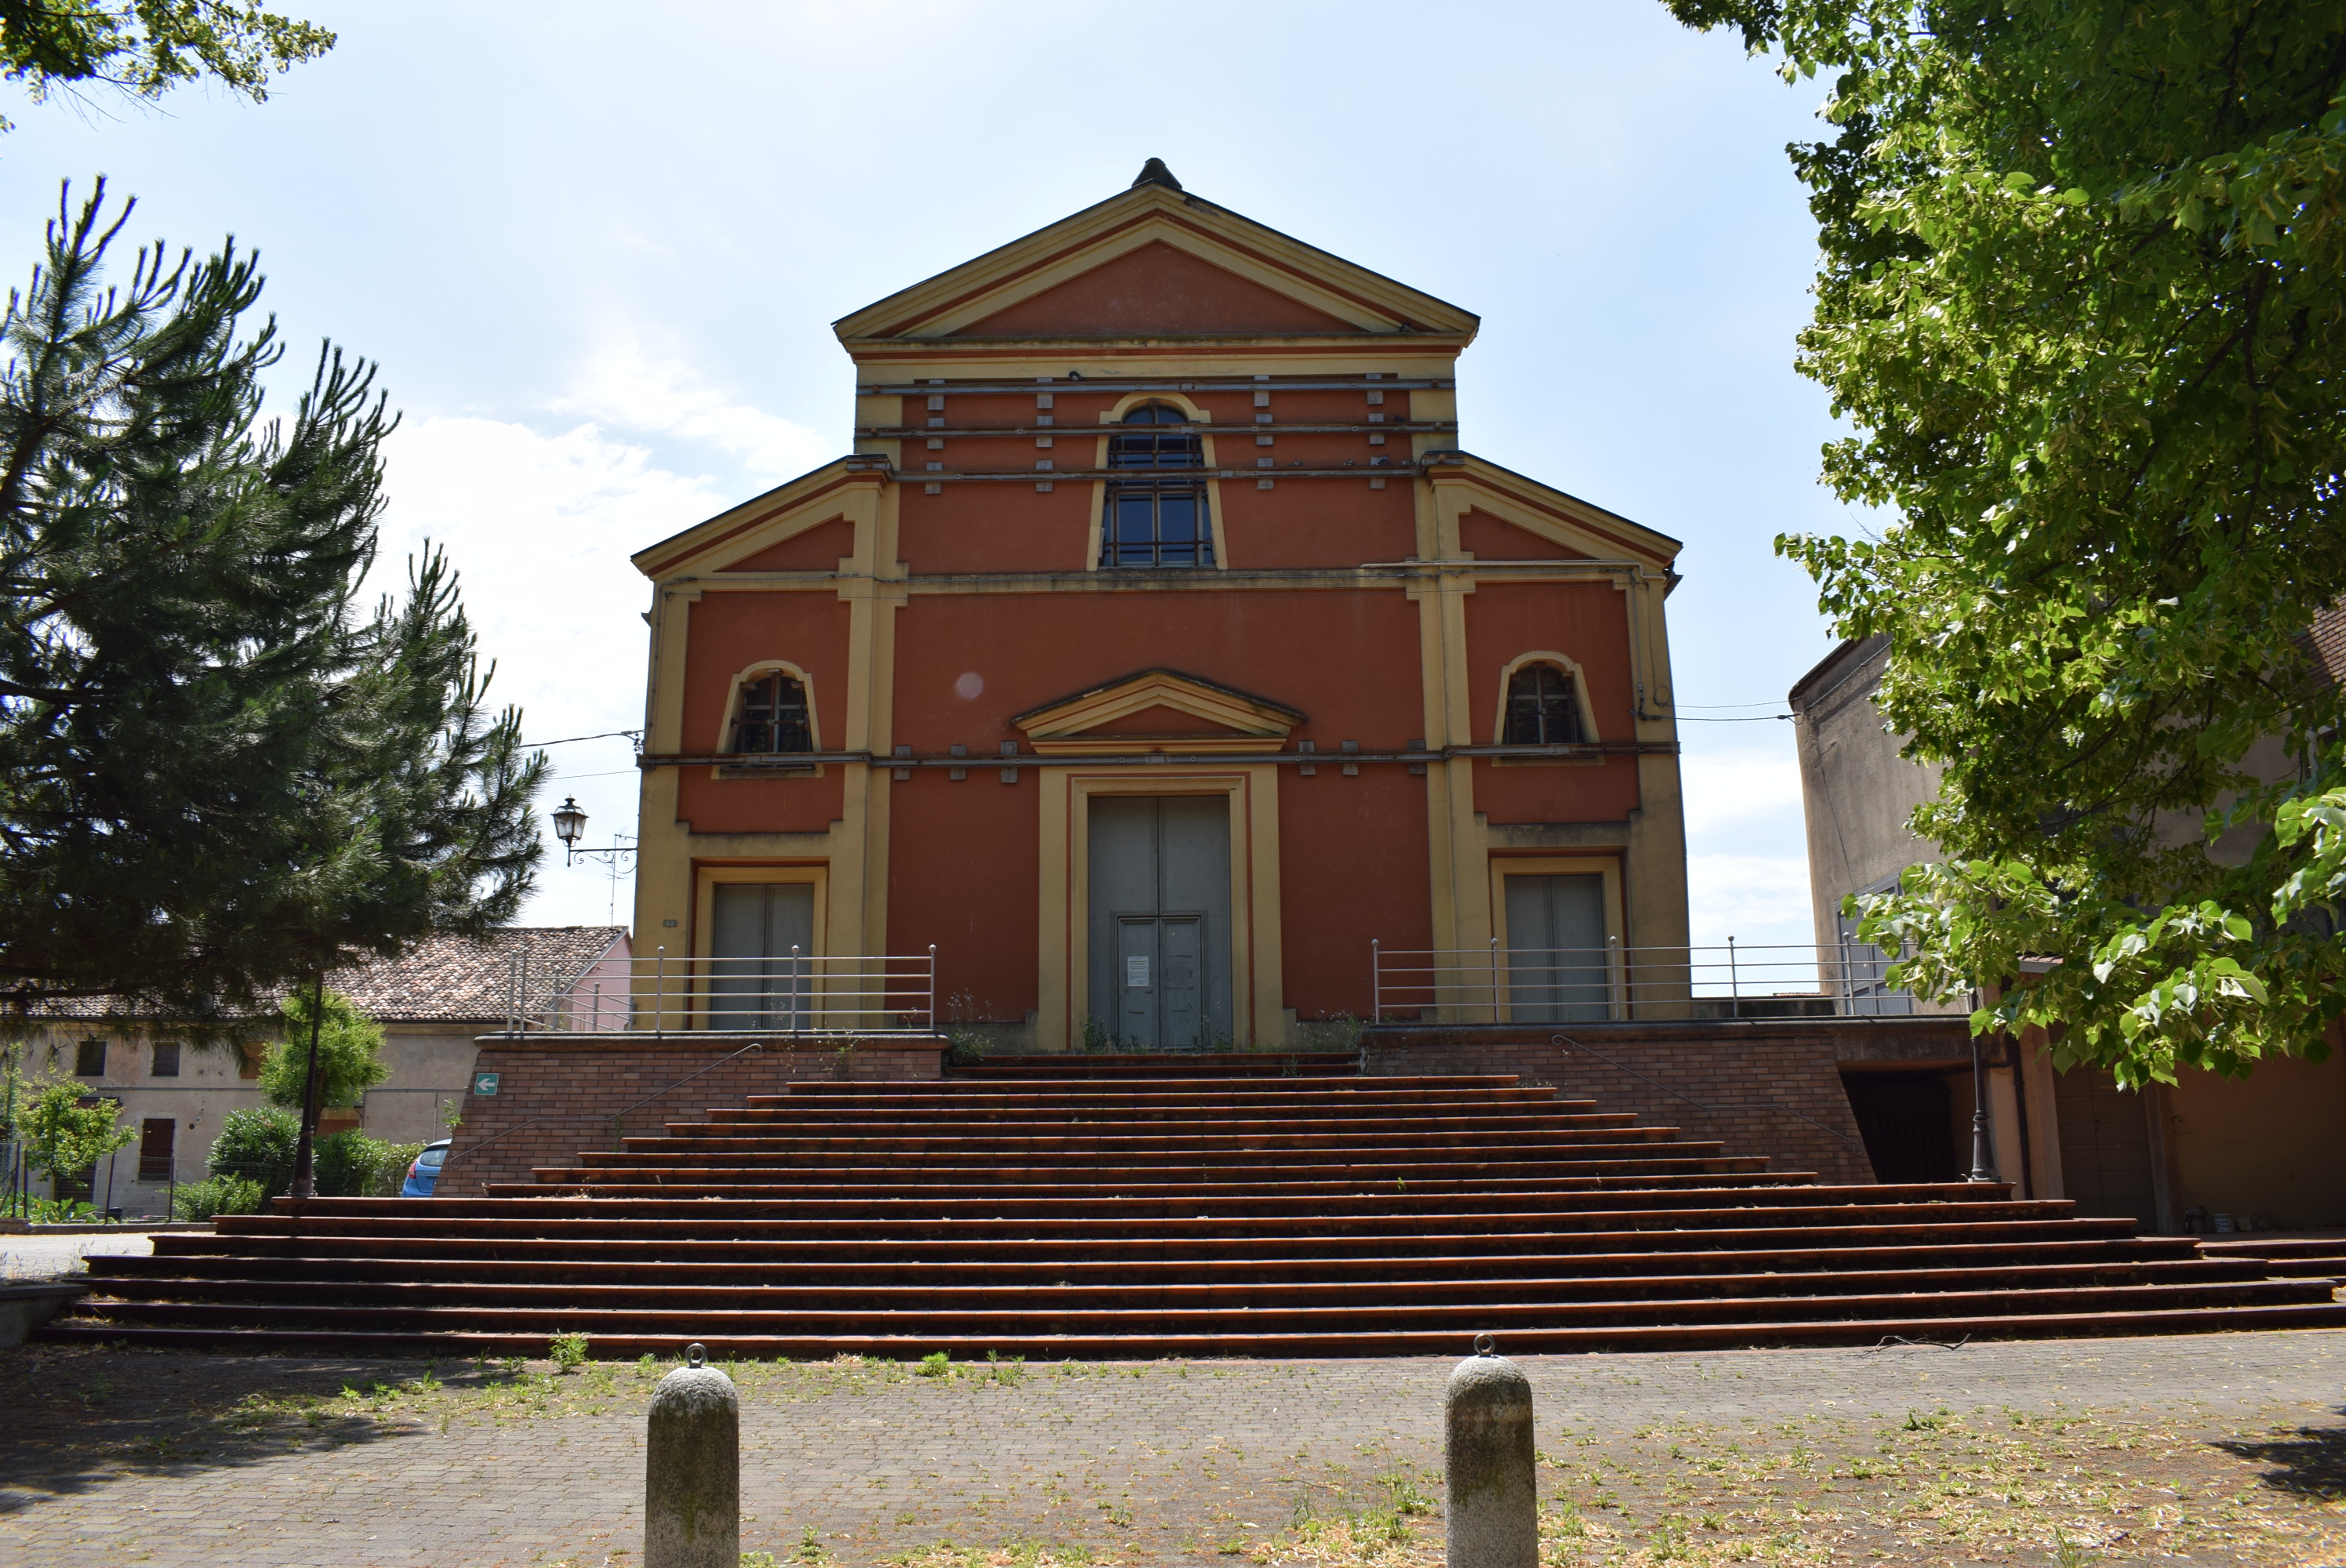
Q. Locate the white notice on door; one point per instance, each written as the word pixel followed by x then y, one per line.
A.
pixel 1136 973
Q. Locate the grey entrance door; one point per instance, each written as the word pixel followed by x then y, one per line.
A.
pixel 753 982
pixel 1160 920
pixel 1556 962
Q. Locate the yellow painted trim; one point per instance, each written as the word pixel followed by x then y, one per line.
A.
pixel 1418 357
pixel 741 680
pixel 1546 513
pixel 1606 865
pixel 1177 745
pixel 1579 696
pixel 1069 720
pixel 988 284
pixel 1064 972
pixel 834 490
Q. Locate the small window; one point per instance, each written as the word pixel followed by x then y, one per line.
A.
pixel 248 1059
pixel 1542 710
pixel 773 718
pixel 1157 504
pixel 89 1059
pixel 166 1061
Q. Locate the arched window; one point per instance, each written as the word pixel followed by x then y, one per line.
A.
pixel 1156 503
pixel 1542 710
pixel 772 717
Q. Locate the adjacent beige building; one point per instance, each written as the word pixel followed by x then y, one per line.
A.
pixel 433 1004
pixel 2265 1151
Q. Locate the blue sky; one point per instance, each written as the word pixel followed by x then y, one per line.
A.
pixel 596 249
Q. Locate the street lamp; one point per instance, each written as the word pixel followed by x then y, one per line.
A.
pixel 570 826
pixel 569 823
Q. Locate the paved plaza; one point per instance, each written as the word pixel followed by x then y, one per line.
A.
pixel 2217 1449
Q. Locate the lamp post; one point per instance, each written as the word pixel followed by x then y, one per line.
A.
pixel 1982 1161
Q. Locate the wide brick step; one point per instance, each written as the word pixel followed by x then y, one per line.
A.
pixel 649 1263
pixel 810 1288
pixel 1332 1256
pixel 837 1117
pixel 722 1181
pixel 1245 1193
pixel 1165 1064
pixel 980 1238
pixel 844 1184
pixel 558 1314
pixel 1088 1141
pixel 723 1341
pixel 1166 1091
pixel 1098 1206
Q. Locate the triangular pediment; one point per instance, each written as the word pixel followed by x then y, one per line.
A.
pixel 1160 710
pixel 1535 521
pixel 1156 261
pixel 809 523
pixel 1157 289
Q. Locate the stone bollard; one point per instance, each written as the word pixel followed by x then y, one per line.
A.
pixel 692 1469
pixel 1493 1485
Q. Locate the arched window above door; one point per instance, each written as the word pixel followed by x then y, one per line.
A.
pixel 1543 708
pixel 772 716
pixel 1156 502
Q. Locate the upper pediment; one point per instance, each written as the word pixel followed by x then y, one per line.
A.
pixel 1160 710
pixel 786 529
pixel 1563 525
pixel 1155 261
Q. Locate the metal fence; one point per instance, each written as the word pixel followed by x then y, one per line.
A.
pixel 1494 985
pixel 797 993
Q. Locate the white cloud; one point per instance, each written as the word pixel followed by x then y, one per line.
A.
pixel 624 385
pixel 1735 789
pixel 539 527
pixel 1757 898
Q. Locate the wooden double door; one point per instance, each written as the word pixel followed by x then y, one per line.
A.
pixel 1159 925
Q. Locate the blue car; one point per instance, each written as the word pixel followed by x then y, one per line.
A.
pixel 424 1174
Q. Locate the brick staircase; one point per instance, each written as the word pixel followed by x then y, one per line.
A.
pixel 1127 1207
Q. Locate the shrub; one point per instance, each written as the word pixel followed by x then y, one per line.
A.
pixel 216 1195
pixel 258 1145
pixel 351 1164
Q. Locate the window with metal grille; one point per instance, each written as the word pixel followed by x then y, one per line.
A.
pixel 89 1059
pixel 1156 513
pixel 164 1063
pixel 773 718
pixel 1542 707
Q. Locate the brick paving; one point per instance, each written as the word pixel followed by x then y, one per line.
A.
pixel 1150 1462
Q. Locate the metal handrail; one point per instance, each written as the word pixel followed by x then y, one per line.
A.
pixel 795 993
pixel 1620 982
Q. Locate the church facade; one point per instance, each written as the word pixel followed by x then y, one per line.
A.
pixel 1157 650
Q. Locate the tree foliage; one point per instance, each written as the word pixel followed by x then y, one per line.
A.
pixel 145 48
pixel 2083 297
pixel 63 1137
pixel 349 1053
pixel 217 776
pixel 257 1144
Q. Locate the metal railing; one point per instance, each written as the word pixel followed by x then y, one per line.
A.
pixel 793 994
pixel 1616 982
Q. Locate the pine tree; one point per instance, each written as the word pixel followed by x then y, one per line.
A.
pixel 219 778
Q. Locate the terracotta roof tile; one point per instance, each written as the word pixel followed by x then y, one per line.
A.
pixel 457 980
pixel 446 979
